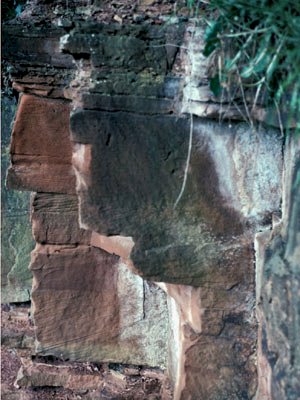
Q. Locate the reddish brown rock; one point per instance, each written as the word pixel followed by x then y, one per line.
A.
pixel 88 306
pixel 212 342
pixel 55 219
pixel 41 148
pixel 38 375
pixel 130 169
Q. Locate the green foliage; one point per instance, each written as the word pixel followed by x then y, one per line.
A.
pixel 212 41
pixel 257 43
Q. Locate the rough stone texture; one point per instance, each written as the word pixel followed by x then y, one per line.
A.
pixel 131 67
pixel 27 376
pixel 39 375
pixel 232 104
pixel 212 342
pixel 279 289
pixel 129 171
pixel 16 238
pixel 132 174
pixel 55 219
pixel 136 102
pixel 40 147
pixel 118 317
pixel 41 161
pixel 38 66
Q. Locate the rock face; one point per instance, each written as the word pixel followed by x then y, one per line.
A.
pixel 87 304
pixel 98 314
pixel 16 238
pixel 136 185
pixel 278 291
pixel 130 168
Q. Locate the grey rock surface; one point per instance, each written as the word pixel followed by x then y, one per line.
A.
pixel 16 237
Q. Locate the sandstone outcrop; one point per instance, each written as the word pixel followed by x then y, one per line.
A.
pixel 139 191
pixel 105 300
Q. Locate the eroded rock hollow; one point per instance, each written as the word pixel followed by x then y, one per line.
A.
pixel 157 226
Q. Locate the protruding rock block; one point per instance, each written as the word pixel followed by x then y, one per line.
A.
pixel 40 374
pixel 87 304
pixel 133 174
pixel 41 148
pixel 130 170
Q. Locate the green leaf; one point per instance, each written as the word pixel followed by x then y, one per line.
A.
pixel 212 30
pixel 258 65
pixel 230 64
pixel 215 85
pixel 190 3
pixel 210 47
pixel 211 37
pixel 295 99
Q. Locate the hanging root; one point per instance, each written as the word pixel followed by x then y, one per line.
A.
pixel 187 162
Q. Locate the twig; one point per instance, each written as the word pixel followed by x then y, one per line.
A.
pixel 257 96
pixel 190 145
pixel 232 35
pixel 240 111
pixel 187 162
pixel 245 101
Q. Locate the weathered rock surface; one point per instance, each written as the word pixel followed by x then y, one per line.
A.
pixel 185 221
pixel 130 169
pixel 132 176
pixel 279 289
pixel 39 375
pixel 26 376
pixel 17 330
pixel 55 220
pixel 118 317
pixel 40 147
pixel 215 336
pixel 41 161
pixel 38 66
pixel 16 238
